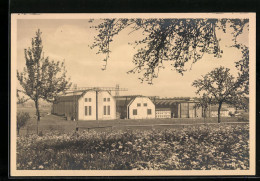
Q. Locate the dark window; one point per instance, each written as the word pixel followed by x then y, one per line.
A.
pixel 86 99
pixel 108 110
pixel 149 111
pixel 86 110
pixel 90 110
pixel 134 111
pixel 108 99
pixel 145 104
pixel 105 99
pixel 104 110
pixel 89 99
pixel 138 104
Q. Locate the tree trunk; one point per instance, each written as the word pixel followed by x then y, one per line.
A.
pixel 204 115
pixel 37 114
pixel 219 108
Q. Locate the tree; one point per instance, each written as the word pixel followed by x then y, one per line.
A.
pixel 22 119
pixel 222 87
pixel 41 78
pixel 20 100
pixel 176 40
pixel 204 103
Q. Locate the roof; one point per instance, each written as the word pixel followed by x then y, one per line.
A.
pixel 170 102
pixel 164 102
pixel 137 97
pixel 72 96
pixel 123 102
pixel 162 109
pixel 126 100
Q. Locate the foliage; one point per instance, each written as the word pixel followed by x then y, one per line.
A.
pixel 20 100
pixel 204 103
pixel 222 86
pixel 221 147
pixel 41 78
pixel 176 40
pixel 22 119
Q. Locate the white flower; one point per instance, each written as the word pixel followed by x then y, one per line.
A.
pixel 41 167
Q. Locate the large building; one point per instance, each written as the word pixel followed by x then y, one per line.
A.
pixel 135 107
pixel 180 108
pixel 86 105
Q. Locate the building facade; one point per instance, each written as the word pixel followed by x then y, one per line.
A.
pixel 86 105
pixel 223 112
pixel 140 108
pixel 163 113
pixel 179 108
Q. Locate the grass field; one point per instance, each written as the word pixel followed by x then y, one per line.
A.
pixel 50 123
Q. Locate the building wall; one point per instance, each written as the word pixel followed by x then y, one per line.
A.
pixel 192 110
pixel 222 113
pixel 142 110
pixel 184 110
pixel 163 113
pixel 188 110
pixel 82 103
pixel 109 101
pixel 63 108
pixel 198 112
pixel 100 109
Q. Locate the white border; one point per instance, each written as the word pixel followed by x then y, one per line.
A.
pixel 252 93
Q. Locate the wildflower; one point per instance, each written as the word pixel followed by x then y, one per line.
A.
pixel 40 167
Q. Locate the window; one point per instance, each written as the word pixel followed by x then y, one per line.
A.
pixel 89 110
pixel 105 110
pixel 108 99
pixel 86 110
pixel 149 111
pixel 87 99
pixel 105 99
pixel 134 111
pixel 108 110
pixel 138 104
pixel 145 104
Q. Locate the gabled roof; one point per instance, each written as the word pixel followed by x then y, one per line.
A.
pixel 69 97
pixel 171 102
pixel 135 98
pixel 72 96
pixel 123 100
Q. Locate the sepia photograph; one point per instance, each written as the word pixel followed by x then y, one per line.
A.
pixel 133 94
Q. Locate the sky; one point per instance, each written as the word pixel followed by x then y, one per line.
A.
pixel 69 40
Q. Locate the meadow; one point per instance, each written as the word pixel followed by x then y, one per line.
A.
pixel 50 123
pixel 198 147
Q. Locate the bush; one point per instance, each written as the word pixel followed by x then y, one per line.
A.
pixel 242 119
pixel 22 119
pixel 221 147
